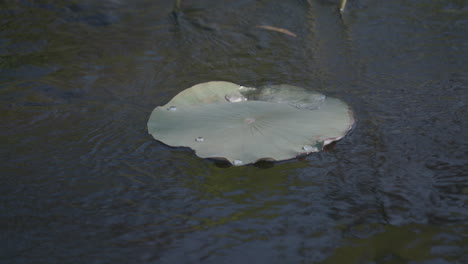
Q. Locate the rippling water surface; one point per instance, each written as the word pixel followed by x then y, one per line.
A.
pixel 83 182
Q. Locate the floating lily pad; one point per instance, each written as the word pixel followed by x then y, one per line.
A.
pixel 206 119
pixel 206 93
pixel 289 94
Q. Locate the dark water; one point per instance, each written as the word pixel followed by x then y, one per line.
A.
pixel 83 182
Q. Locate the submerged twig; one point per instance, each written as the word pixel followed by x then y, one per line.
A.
pixel 277 29
pixel 176 11
pixel 177 6
pixel 342 6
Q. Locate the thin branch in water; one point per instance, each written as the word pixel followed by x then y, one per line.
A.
pixel 176 11
pixel 176 7
pixel 277 29
pixel 342 6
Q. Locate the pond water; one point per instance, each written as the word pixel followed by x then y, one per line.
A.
pixel 83 182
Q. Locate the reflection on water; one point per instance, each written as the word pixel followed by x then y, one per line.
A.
pixel 84 182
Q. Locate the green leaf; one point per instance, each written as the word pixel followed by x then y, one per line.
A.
pixel 245 132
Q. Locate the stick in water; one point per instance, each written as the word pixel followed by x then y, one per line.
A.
pixel 281 30
pixel 177 6
pixel 342 6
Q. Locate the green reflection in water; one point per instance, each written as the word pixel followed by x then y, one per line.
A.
pixel 256 193
pixel 245 183
pixel 395 244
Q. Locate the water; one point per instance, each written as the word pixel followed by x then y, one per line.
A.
pixel 83 182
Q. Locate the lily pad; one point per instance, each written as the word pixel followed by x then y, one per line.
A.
pixel 206 93
pixel 205 119
pixel 289 94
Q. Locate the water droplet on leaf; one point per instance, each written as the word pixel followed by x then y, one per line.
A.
pixel 237 162
pixel 309 148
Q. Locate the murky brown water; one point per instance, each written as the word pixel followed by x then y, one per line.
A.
pixel 83 182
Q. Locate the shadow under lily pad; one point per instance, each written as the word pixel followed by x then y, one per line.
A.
pixel 272 127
